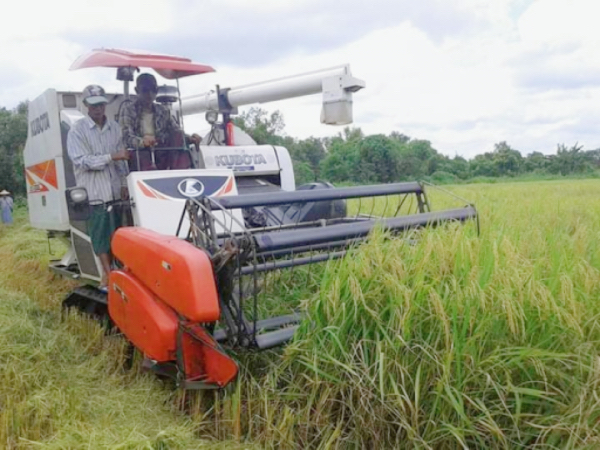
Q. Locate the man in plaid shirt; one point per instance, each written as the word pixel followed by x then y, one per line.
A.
pixel 147 124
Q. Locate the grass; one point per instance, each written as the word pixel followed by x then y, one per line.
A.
pixel 458 341
pixel 448 178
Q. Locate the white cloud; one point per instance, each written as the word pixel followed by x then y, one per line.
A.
pixel 559 22
pixel 40 19
pixel 464 75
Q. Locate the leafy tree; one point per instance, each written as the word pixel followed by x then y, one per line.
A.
pixel 571 160
pixel 443 177
pixel 420 149
pixel 507 160
pixel 535 162
pixel 379 159
pixel 594 158
pixel 352 134
pixel 418 158
pixel 400 137
pixel 483 165
pixel 409 167
pixel 303 173
pixel 342 162
pixel 459 166
pixel 13 134
pixel 263 127
pixel 311 152
pixel 350 156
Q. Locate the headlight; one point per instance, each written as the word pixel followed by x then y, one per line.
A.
pixel 211 116
pixel 78 195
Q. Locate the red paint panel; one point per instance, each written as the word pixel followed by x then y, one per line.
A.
pixel 45 171
pixel 34 187
pixel 225 190
pixel 203 359
pixel 149 324
pixel 147 192
pixel 178 273
pixel 230 131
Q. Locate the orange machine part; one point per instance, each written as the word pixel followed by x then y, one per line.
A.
pixel 203 360
pixel 178 273
pixel 149 324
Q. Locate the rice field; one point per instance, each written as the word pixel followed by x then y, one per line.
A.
pixel 455 340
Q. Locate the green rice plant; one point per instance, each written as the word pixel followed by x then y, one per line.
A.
pixel 455 341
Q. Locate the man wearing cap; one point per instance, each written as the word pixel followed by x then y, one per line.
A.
pixel 95 148
pixel 147 124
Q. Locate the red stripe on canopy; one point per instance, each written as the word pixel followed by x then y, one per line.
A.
pixel 170 67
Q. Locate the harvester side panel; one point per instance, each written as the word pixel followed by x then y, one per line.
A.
pixel 148 324
pixel 159 196
pixel 262 162
pixel 44 169
pixel 176 271
pixel 48 169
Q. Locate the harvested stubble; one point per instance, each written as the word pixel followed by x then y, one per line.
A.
pixel 62 380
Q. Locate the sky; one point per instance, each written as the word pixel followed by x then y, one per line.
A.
pixel 464 74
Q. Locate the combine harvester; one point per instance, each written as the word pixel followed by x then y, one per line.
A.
pixel 192 262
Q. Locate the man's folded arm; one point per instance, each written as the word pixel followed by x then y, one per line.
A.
pixel 78 153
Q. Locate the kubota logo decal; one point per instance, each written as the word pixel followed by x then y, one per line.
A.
pixel 240 160
pixel 182 188
pixel 190 187
pixel 39 124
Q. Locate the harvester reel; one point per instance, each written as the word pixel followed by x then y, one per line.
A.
pixel 183 302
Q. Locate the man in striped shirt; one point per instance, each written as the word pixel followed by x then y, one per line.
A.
pixel 95 148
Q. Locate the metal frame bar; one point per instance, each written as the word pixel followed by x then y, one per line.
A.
pixel 315 195
pixel 287 239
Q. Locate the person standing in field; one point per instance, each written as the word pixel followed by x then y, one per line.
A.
pixel 6 207
pixel 94 146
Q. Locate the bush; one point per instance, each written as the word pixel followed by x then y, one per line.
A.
pixel 441 177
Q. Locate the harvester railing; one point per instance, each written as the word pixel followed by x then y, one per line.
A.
pixel 305 196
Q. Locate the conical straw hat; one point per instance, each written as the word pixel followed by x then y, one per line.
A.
pixel 4 192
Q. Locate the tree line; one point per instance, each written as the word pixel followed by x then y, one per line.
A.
pixel 353 157
pixel 13 134
pixel 349 157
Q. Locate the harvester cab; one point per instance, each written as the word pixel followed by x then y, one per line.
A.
pixel 211 226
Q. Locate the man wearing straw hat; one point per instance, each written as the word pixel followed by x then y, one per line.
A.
pixel 6 207
pixel 94 146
